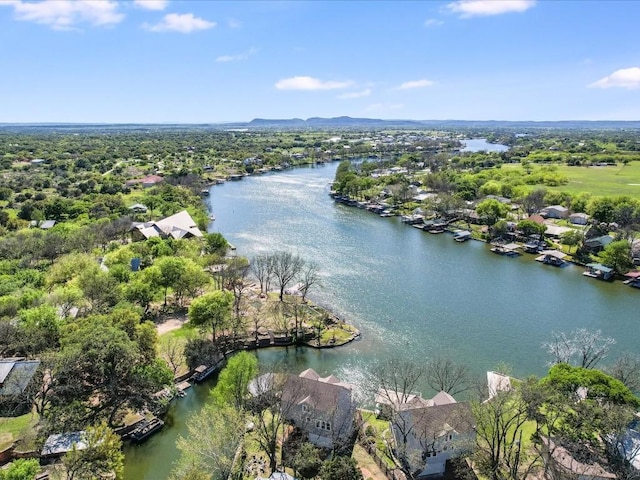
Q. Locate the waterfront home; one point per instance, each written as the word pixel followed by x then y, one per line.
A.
pixel 552 257
pixel 179 225
pixel 322 408
pixel 579 218
pixel 428 433
pixel 555 211
pixel 596 244
pixel 596 270
pixel 556 231
pixel 633 279
pixel 18 385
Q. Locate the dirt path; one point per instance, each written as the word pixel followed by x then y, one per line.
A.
pixel 171 322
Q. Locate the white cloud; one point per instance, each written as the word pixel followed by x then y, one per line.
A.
pixel 350 95
pixel 151 4
pixel 233 23
pixel 182 23
pixel 415 84
pixel 238 57
pixel 309 83
pixel 67 14
pixel 485 8
pixel 432 22
pixel 623 78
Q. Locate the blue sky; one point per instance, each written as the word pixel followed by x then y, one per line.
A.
pixel 202 62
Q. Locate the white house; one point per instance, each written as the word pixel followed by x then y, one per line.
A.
pixel 579 218
pixel 555 211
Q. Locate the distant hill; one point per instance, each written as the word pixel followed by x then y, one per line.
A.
pixel 336 122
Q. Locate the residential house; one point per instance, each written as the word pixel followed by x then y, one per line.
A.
pixel 18 385
pixel 555 211
pixel 179 225
pixel 428 433
pixel 596 244
pixel 322 408
pixel 579 218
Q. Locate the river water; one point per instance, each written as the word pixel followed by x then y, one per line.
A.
pixel 412 294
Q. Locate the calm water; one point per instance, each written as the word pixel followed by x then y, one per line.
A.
pixel 479 144
pixel 412 294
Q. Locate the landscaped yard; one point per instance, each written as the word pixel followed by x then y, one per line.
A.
pixel 12 427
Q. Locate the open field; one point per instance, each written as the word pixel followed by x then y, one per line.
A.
pixel 611 180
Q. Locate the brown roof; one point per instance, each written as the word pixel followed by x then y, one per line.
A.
pixel 435 421
pixel 564 459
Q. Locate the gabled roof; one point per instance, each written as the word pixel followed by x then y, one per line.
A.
pixel 430 423
pixel 316 392
pixel 15 375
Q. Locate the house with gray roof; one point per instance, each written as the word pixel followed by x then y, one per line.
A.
pixel 179 225
pixel 428 433
pixel 555 211
pixel 322 408
pixel 18 385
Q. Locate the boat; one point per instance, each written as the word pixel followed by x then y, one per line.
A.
pixel 598 271
pixel 552 257
pixel 146 429
pixel 461 235
pixel 508 249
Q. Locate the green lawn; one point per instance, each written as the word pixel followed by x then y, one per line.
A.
pixel 11 428
pixel 612 180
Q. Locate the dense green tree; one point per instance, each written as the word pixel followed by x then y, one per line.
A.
pixel 171 270
pixel 101 458
pixel 340 468
pixel 214 435
pixel 618 256
pixel 21 469
pixel 492 210
pixel 306 461
pixel 211 311
pixel 233 381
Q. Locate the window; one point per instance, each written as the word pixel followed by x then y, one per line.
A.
pixel 305 408
pixel 322 425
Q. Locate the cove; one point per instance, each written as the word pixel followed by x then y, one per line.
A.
pixel 411 294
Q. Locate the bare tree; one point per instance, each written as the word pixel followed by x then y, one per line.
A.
pixel 443 374
pixel 581 347
pixel 171 350
pixel 500 422
pixel 397 380
pixel 308 278
pixel 286 267
pixel 627 369
pixel 262 268
pixel 235 280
